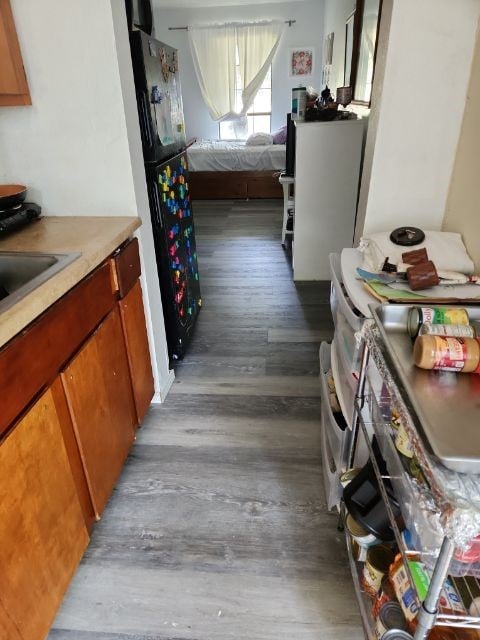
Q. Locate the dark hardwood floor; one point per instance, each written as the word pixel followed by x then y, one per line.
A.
pixel 217 528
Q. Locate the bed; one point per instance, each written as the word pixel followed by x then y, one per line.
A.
pixel 222 169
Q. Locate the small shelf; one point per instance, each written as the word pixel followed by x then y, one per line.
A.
pixel 467 587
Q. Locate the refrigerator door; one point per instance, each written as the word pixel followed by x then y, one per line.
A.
pixel 174 236
pixel 159 97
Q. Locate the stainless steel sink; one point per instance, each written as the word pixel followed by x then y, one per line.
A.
pixel 22 272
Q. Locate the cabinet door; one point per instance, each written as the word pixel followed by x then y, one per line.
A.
pixel 99 395
pixel 135 332
pixel 42 529
pixel 13 83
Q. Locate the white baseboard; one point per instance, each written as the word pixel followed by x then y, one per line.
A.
pixel 160 396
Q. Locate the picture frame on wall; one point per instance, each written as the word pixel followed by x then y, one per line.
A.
pixel 349 26
pixel 329 48
pixel 364 49
pixel 301 62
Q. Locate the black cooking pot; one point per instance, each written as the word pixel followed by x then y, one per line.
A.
pixel 12 195
pixel 364 501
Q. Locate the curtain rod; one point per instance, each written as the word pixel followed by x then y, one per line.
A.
pixel 289 22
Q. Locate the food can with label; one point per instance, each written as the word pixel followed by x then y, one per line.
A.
pixel 363 537
pixel 348 476
pixel 435 315
pixel 386 593
pixel 390 617
pixel 450 330
pixel 375 568
pixel 403 443
pixel 395 419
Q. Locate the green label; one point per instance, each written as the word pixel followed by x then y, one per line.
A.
pixel 420 578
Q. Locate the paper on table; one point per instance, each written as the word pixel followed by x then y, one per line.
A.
pixel 395 293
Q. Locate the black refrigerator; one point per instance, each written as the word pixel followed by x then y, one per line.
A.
pixel 159 102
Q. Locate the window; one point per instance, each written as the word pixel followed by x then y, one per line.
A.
pixel 258 116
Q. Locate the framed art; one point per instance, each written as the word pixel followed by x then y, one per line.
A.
pixel 301 62
pixel 348 49
pixel 364 49
pixel 329 48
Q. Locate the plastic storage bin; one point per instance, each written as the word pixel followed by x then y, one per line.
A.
pixel 347 319
pixel 337 437
pixel 332 458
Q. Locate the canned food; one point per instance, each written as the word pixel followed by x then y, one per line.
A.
pixel 348 476
pixel 448 330
pixel 397 634
pixel 390 617
pixel 395 420
pixel 386 593
pixel 376 566
pixel 402 442
pixel 363 537
pixel 435 315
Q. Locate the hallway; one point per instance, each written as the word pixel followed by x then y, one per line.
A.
pixel 217 528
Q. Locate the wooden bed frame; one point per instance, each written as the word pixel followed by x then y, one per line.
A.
pixel 234 185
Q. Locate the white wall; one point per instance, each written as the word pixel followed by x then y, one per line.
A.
pixel 70 147
pixel 307 31
pixel 462 211
pixel 78 146
pixel 418 118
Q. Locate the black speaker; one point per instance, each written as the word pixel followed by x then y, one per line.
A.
pixel 290 147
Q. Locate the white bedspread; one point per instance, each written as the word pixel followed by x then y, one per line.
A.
pixel 222 155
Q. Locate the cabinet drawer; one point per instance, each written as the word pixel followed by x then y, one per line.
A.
pixel 127 267
pixel 339 301
pixel 33 358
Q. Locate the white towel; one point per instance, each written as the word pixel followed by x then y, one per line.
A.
pixel 445 249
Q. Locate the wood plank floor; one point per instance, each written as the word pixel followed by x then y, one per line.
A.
pixel 217 528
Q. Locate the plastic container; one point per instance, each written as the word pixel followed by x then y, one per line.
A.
pixel 331 462
pixel 447 354
pixel 337 437
pixel 299 103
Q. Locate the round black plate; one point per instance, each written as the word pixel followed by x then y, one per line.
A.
pixel 407 236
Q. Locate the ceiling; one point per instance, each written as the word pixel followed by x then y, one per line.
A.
pixel 178 4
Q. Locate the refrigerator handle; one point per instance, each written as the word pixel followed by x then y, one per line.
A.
pixel 158 211
pixel 143 101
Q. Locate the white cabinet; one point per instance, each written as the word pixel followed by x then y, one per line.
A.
pixel 327 169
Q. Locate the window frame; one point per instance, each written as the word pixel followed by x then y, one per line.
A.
pixel 251 112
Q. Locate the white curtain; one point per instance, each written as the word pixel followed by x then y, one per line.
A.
pixel 214 56
pixel 257 44
pixel 213 51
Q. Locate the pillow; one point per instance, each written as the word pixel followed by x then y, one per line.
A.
pixel 280 135
pixel 259 139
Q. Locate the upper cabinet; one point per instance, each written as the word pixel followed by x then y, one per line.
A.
pixel 13 82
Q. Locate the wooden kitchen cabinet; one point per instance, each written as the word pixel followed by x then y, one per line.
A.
pixel 42 527
pixel 99 394
pixel 135 332
pixel 13 82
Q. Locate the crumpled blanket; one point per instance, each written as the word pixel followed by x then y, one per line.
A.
pixel 445 249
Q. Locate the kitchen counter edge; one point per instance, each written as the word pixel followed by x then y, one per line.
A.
pixel 94 237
